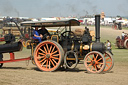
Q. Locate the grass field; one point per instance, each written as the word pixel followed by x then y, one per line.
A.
pixel 19 73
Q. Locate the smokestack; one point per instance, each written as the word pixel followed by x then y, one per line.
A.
pixel 97 28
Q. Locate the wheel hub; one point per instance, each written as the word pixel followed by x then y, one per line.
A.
pixel 47 55
pixel 93 62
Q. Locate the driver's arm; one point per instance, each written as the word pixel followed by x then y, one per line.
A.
pixel 38 36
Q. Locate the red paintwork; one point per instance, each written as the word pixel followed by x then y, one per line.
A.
pixel 2 39
pixel 114 27
pixel 80 20
pixel 120 42
pixel 12 59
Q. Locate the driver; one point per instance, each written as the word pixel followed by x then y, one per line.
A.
pixel 44 32
pixel 123 35
pixel 37 35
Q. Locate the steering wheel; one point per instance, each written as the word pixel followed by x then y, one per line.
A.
pixel 45 36
pixel 70 35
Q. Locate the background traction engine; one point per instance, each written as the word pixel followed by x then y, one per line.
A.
pixel 122 43
pixel 50 55
pixel 10 47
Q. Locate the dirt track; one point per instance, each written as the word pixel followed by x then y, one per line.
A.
pixel 18 73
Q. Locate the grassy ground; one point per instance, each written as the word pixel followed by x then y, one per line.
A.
pixel 20 73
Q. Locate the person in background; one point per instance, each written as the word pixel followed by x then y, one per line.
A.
pixel 109 48
pixel 86 22
pixel 36 35
pixel 44 32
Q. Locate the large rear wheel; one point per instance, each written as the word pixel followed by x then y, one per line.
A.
pixel 94 62
pixel 48 55
pixel 109 61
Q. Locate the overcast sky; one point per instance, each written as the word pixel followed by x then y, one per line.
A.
pixel 57 8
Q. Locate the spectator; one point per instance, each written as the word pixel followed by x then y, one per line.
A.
pixel 109 48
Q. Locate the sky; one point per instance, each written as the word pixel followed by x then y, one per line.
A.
pixel 62 8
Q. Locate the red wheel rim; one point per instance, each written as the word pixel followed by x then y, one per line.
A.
pixel 108 61
pixel 47 56
pixel 94 62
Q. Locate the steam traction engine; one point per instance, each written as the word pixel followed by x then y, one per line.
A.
pixel 122 43
pixel 66 49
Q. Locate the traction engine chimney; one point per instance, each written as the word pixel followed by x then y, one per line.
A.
pixel 97 28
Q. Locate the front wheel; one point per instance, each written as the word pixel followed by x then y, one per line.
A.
pixel 48 55
pixel 109 61
pixel 94 62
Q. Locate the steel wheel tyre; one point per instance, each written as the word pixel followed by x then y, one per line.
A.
pixel 70 59
pixel 126 43
pixel 48 55
pixel 109 61
pixel 1 59
pixel 94 62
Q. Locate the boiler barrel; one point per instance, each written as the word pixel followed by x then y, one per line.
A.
pixel 98 47
pixel 11 47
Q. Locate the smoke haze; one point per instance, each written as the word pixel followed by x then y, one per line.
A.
pixel 58 8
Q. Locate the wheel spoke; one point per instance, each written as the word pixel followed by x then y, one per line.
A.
pixel 47 63
pixel 96 56
pixel 50 48
pixel 56 55
pixel 53 49
pixel 107 59
pixel 42 50
pixel 41 53
pixel 95 68
pixel 43 63
pixel 40 57
pixel 54 52
pixel 99 59
pixel 55 58
pixel 108 62
pixel 89 64
pixel 47 48
pixel 101 63
pixel 105 55
pixel 107 65
pixel 42 60
pixel 92 68
pixel 52 62
pixel 99 66
pixel 88 61
pixel 89 57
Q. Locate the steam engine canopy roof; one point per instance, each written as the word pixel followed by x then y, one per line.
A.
pixel 53 23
